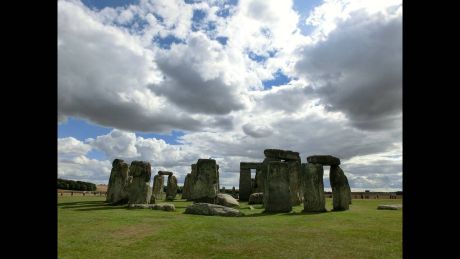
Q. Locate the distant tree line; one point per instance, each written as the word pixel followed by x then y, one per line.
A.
pixel 75 185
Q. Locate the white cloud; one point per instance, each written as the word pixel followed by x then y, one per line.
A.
pixel 344 98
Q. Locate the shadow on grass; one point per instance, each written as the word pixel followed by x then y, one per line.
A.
pixel 107 207
pixel 90 205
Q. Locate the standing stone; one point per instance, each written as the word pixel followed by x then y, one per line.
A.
pixel 139 189
pixel 340 189
pixel 294 182
pixel 118 181
pixel 158 186
pixel 261 177
pixel 245 184
pixel 260 181
pixel 277 196
pixel 218 184
pixel 186 188
pixel 313 188
pixel 348 188
pixel 205 181
pixel 234 193
pixel 171 188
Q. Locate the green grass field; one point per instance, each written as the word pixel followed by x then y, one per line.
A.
pixel 88 228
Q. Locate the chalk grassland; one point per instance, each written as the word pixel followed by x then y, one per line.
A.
pixel 88 228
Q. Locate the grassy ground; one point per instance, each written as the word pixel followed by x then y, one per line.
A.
pixel 88 228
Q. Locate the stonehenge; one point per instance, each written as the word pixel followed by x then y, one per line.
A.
pixel 171 187
pixel 186 188
pixel 292 161
pixel 277 194
pixel 341 192
pixel 281 181
pixel 118 182
pixel 158 184
pixel 204 181
pixel 313 188
pixel 139 190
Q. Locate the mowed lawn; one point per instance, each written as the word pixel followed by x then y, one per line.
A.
pixel 89 228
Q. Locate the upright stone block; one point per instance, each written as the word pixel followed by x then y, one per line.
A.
pixel 245 184
pixel 186 189
pixel 277 195
pixel 139 188
pixel 294 182
pixel 205 181
pixel 158 184
pixel 313 188
pixel 340 189
pixel 171 188
pixel 118 182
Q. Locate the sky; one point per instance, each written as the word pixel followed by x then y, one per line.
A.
pixel 171 81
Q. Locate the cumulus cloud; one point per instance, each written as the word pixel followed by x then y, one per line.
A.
pixel 357 69
pixel 72 146
pixel 152 67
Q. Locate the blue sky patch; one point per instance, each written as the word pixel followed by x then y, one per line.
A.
pixel 166 42
pixel 100 4
pixel 303 8
pixel 168 138
pixel 222 40
pixel 80 129
pixel 280 79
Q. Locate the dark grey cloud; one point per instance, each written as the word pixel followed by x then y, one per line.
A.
pixel 358 70
pixel 185 85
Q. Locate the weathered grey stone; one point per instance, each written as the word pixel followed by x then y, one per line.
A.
pixel 389 207
pixel 165 173
pixel 313 188
pixel 164 206
pixel 226 200
pixel 141 206
pixel 294 182
pixel 204 187
pixel 218 177
pixel 340 189
pixel 261 174
pixel 186 188
pixel 259 181
pixel 118 182
pixel 171 188
pixel 277 195
pixel 158 187
pixel 234 194
pixel 256 198
pixel 212 210
pixel 139 189
pixel 348 188
pixel 324 160
pixel 282 154
pixel 245 184
pixel 250 165
pixel 161 206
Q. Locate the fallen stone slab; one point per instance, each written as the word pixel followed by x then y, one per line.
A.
pixel 324 160
pixel 282 154
pixel 389 207
pixel 164 206
pixel 212 210
pixel 227 200
pixel 256 198
pixel 141 206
